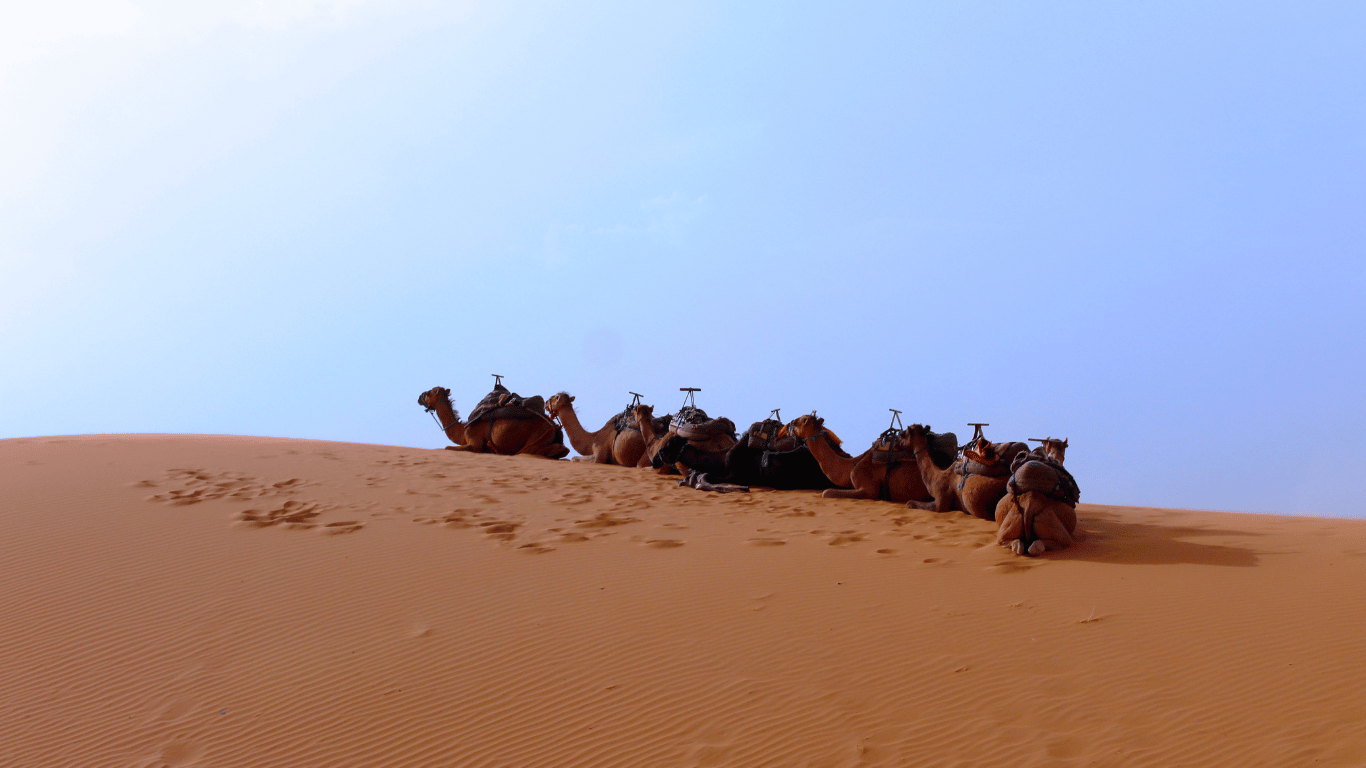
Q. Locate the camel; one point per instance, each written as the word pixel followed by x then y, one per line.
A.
pixel 508 425
pixel 769 455
pixel 975 494
pixel 618 442
pixel 654 435
pixel 1050 448
pixel 1039 512
pixel 697 442
pixel 884 471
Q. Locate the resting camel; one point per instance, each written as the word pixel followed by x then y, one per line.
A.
pixel 1039 511
pixel 957 486
pixel 884 471
pixel 654 435
pixel 769 455
pixel 506 426
pixel 697 442
pixel 618 442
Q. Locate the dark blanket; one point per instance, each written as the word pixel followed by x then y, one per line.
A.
pixel 503 403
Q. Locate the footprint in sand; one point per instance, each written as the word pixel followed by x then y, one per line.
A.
pixel 535 548
pixel 846 537
pixel 663 543
pixel 886 551
pixel 767 542
pixel 343 526
pixel 605 520
pixel 292 514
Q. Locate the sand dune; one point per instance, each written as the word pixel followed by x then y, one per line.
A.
pixel 235 601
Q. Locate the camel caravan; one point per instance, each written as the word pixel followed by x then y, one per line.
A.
pixel 1027 492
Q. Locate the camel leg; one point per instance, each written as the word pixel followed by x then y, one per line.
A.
pixel 849 493
pixel 1052 534
pixel 942 501
pixel 1011 529
pixel 602 454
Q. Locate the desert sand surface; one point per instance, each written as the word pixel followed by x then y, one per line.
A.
pixel 238 601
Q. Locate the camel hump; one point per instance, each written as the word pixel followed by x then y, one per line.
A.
pixel 1045 476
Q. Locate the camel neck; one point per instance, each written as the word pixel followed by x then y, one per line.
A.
pixel 450 423
pixel 835 466
pixel 928 468
pixel 580 438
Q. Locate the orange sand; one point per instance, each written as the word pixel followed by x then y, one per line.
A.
pixel 492 611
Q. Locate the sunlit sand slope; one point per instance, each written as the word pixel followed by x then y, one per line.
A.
pixel 232 601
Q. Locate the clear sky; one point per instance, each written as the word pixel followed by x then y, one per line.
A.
pixel 1138 225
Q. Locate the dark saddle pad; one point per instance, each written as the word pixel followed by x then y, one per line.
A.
pixel 1031 473
pixel 503 403
pixel 694 425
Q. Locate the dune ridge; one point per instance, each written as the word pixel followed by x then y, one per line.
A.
pixel 227 601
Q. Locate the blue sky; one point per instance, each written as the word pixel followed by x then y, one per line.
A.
pixel 1138 227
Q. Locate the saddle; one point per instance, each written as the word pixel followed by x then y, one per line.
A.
pixel 884 449
pixel 999 458
pixel 627 420
pixel 706 434
pixel 503 403
pixel 763 435
pixel 1028 472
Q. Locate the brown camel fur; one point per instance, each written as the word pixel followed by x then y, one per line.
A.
pixel 645 415
pixel 1049 524
pixel 534 437
pixel 608 445
pixel 976 495
pixel 867 478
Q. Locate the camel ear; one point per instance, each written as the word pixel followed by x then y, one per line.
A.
pixel 820 422
pixel 571 398
pixel 1064 442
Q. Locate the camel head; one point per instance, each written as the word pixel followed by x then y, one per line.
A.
pixel 557 403
pixel 917 436
pixel 1055 449
pixel 436 395
pixel 643 413
pixel 807 426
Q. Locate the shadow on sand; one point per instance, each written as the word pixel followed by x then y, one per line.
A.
pixel 1112 539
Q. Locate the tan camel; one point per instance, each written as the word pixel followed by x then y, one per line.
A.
pixel 523 433
pixel 654 437
pixel 616 443
pixel 884 471
pixel 1039 511
pixel 974 494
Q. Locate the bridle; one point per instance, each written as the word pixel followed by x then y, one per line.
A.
pixel 431 409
